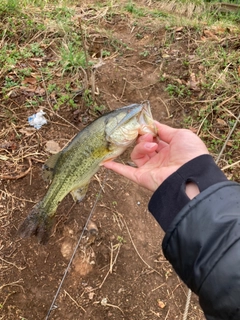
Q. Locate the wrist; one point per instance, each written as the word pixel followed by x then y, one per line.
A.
pixel 182 186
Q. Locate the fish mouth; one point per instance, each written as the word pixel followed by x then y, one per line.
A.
pixel 146 121
pixel 136 120
pixel 132 111
pixel 144 115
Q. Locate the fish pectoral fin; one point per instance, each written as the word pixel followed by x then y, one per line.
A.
pixel 106 160
pixel 48 167
pixel 79 194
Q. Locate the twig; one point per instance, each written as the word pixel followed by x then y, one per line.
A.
pixel 117 216
pixel 137 250
pixel 72 125
pixel 86 79
pixel 200 127
pixel 45 88
pixel 15 283
pixel 12 264
pixel 59 123
pixel 167 314
pixel 230 165
pixel 78 305
pixel 228 137
pixel 232 114
pixel 106 304
pixel 113 306
pixel 227 100
pixel 161 285
pixel 5 300
pixel 166 107
pixel 99 181
pixel 112 262
pixel 12 196
pixel 84 48
pixel 124 87
pixel 21 175
pixel 3 36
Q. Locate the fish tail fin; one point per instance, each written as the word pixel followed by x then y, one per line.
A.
pixel 37 223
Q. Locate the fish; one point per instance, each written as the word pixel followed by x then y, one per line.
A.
pixel 71 170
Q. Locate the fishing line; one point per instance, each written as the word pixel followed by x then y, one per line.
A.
pixel 217 160
pixel 53 306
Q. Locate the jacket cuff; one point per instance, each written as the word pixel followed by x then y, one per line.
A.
pixel 171 197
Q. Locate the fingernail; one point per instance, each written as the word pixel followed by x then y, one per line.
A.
pixel 149 145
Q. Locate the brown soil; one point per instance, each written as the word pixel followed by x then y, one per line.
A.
pixel 120 274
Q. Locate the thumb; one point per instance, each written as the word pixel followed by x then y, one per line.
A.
pixel 165 132
pixel 142 152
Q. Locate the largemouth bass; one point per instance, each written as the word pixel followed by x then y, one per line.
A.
pixel 71 169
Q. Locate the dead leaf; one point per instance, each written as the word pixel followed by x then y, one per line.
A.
pixel 194 130
pixel 165 56
pixel 37 90
pixel 161 304
pixel 8 145
pixel 222 122
pixel 191 57
pixel 36 59
pixel 29 80
pixel 239 71
pixel 204 108
pixel 27 131
pixel 179 81
pixel 210 35
pixel 3 158
pixel 179 29
pixel 193 83
pixel 52 147
pixel 91 295
pixel 92 226
pixel 12 94
pixel 219 30
pixel 40 91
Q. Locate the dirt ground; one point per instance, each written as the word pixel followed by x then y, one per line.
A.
pixel 121 273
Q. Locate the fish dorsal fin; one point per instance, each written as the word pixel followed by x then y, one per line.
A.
pixel 48 167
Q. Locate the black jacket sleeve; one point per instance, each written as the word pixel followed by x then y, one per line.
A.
pixel 202 239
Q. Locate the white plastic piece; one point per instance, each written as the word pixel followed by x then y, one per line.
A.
pixel 37 120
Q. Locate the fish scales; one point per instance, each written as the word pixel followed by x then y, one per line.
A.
pixel 71 170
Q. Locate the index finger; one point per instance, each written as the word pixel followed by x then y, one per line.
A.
pixel 165 132
pixel 124 170
pixel 146 137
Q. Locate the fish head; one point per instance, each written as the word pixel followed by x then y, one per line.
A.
pixel 127 123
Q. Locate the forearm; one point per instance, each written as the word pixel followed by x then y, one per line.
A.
pixel 203 245
pixel 202 240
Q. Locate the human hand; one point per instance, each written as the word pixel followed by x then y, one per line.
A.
pixel 157 158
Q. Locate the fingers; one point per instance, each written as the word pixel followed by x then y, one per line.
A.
pixel 124 170
pixel 161 145
pixel 143 151
pixel 146 137
pixel 165 132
